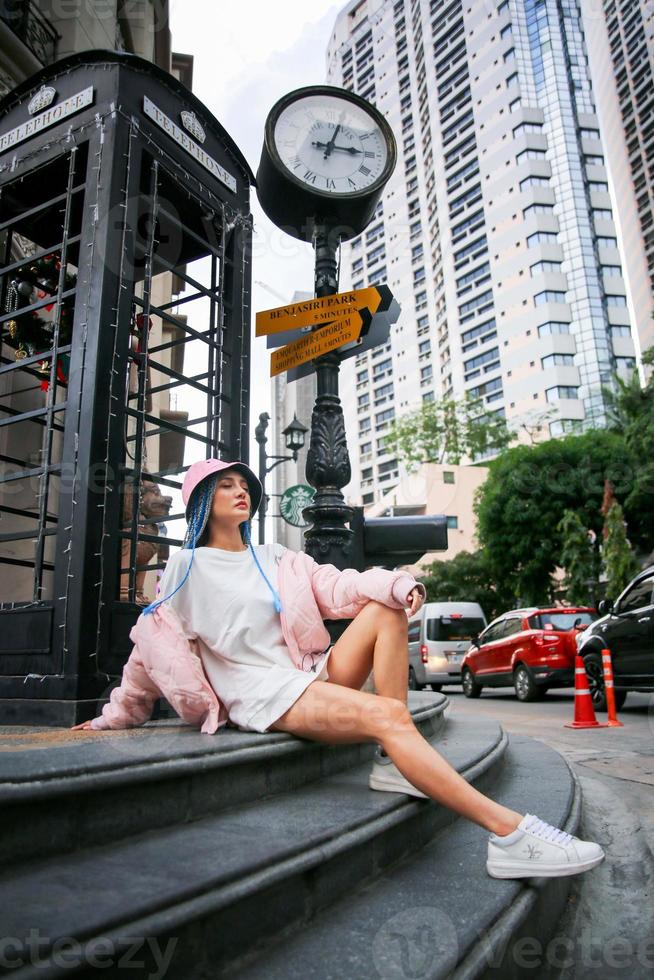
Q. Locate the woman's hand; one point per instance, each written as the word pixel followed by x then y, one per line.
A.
pixel 86 726
pixel 416 598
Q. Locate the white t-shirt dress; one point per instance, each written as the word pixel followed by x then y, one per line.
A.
pixel 227 607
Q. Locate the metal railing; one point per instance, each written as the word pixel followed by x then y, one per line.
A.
pixel 34 29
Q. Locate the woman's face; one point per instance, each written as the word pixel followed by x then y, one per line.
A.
pixel 231 501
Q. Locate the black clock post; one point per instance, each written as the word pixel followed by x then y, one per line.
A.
pixel 326 157
pixel 328 461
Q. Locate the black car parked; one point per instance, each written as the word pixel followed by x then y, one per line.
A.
pixel 626 628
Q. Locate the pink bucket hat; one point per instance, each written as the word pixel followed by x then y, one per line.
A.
pixel 206 467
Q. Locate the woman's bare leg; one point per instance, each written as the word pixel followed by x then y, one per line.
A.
pixel 375 640
pixel 327 712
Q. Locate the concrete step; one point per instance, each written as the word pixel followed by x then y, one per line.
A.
pixel 77 789
pixel 223 884
pixel 438 914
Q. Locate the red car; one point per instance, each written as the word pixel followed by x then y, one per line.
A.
pixel 529 649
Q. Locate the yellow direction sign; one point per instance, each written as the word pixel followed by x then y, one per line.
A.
pixel 312 345
pixel 322 309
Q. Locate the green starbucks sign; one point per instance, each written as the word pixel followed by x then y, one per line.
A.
pixel 292 503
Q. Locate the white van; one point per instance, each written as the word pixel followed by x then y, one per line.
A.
pixel 439 636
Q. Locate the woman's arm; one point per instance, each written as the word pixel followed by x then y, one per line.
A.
pixel 131 703
pixel 342 593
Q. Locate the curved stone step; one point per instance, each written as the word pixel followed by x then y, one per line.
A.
pixel 219 885
pixel 439 914
pixel 53 799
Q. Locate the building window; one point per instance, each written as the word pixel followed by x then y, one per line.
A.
pixel 490 357
pixel 561 392
pixel 477 305
pixel 426 374
pixel 381 369
pixel 542 238
pixel 534 181
pixel 530 154
pixel 382 394
pixel 448 476
pixel 612 271
pixel 374 233
pixel 377 276
pixel 452 523
pixel 421 300
pixel 537 209
pixel 604 242
pixel 557 359
pixel 549 296
pixel 603 214
pixel 428 396
pixel 383 418
pixel 560 426
pixel 552 327
pixel 512 80
pixel 545 266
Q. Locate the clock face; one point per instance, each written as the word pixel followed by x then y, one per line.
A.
pixel 330 144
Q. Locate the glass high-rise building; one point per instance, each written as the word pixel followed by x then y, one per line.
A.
pixel 496 232
pixel 620 36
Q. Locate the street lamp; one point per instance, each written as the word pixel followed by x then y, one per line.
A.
pixel 294 434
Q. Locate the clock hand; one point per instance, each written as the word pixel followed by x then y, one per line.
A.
pixel 330 145
pixel 345 149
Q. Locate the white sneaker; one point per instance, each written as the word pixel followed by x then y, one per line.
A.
pixel 385 776
pixel 538 850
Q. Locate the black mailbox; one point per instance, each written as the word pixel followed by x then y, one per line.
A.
pixel 392 541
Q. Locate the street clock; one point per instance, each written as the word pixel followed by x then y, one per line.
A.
pixel 326 156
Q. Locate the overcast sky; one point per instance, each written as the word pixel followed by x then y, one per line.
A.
pixel 246 55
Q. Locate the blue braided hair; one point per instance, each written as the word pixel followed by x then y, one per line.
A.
pixel 199 511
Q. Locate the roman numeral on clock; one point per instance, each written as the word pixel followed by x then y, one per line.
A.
pixel 364 170
pixel 310 176
pixel 330 183
pixel 351 183
pixel 369 153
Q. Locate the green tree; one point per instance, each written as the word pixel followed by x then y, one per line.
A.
pixel 445 431
pixel 466 578
pixel 631 414
pixel 618 558
pixel 579 558
pixel 527 492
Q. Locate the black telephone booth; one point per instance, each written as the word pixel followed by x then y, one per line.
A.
pixel 125 237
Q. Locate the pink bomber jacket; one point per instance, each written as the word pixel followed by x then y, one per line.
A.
pixel 165 663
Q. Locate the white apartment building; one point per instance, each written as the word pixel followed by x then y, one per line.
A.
pixel 496 232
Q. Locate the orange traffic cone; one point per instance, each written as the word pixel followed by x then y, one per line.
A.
pixel 610 691
pixel 584 712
